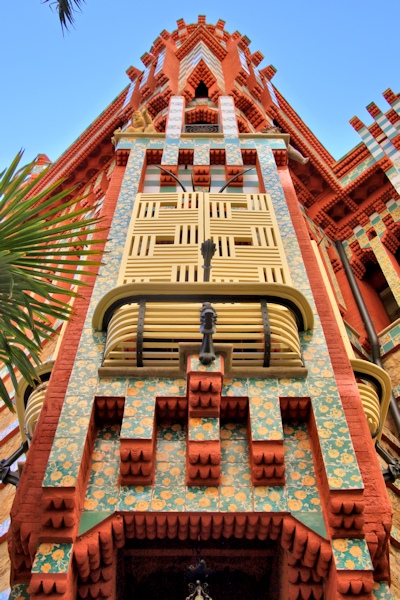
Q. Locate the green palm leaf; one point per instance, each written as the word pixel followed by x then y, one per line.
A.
pixel 43 239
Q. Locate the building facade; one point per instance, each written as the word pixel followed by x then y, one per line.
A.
pixel 211 422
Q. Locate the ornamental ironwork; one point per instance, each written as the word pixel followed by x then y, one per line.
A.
pixel 202 128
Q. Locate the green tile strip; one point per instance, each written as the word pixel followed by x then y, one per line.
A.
pixel 331 422
pixel 84 383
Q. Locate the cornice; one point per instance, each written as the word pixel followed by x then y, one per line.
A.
pixel 86 142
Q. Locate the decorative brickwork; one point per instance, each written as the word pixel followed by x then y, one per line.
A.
pixel 269 444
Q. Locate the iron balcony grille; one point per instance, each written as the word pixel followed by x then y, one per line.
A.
pixel 197 128
pixel 148 334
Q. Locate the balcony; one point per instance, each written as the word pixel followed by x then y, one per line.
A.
pixel 152 327
pixel 375 389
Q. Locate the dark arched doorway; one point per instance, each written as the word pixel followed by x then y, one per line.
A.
pixel 236 571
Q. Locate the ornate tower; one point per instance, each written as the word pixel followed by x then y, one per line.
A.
pixel 207 397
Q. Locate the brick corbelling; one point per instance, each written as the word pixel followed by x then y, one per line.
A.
pixel 377 504
pixel 316 158
pixel 85 142
pixel 302 127
pixel 349 162
pixel 26 512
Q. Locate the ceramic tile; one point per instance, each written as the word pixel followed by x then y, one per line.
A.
pixel 263 388
pixel 351 555
pixel 170 474
pixel 236 474
pixel 296 388
pixel 111 387
pixel 235 387
pixel 61 474
pixel 135 498
pixel 65 449
pixel 265 417
pixel 168 499
pixel 104 473
pixel 52 558
pixel 142 387
pixel 19 591
pixel 171 451
pixel 137 428
pixel 195 365
pixel 170 431
pixel 202 499
pixel 234 451
pixel 270 499
pixel 381 591
pixel 235 500
pixel 139 408
pixel 171 387
pixel 108 434
pixel 233 431
pixel 204 428
pixel 100 499
pixel 303 499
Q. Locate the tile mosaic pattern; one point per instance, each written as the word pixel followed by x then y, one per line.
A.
pixel 230 130
pixel 84 383
pixel 52 558
pixel 169 492
pixel 351 555
pixel 390 339
pixel 324 242
pixel 265 413
pixel 103 489
pixel 381 591
pixel 201 151
pixel 19 592
pixel 139 415
pixel 384 148
pixel 355 342
pixel 357 171
pixel 194 364
pixel 173 131
pixel 333 430
pixel 376 222
pixel 203 429
pixel 302 491
pixel 235 494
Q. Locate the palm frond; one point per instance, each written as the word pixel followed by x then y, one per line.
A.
pixel 66 11
pixel 44 242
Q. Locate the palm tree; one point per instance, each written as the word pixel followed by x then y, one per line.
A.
pixel 41 239
pixel 66 10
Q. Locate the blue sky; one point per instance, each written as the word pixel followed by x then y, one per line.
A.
pixel 333 58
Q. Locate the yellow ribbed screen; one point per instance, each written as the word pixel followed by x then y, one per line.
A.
pixel 33 408
pixel 244 229
pixel 167 324
pixel 164 238
pixel 371 404
pixel 167 230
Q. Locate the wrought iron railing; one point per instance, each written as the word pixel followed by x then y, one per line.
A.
pixel 201 128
